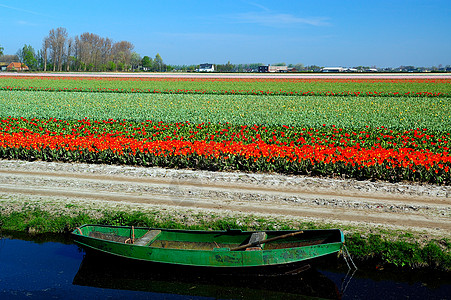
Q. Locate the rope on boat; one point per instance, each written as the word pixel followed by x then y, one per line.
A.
pixel 346 255
pixel 79 230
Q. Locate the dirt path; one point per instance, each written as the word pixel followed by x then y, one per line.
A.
pixel 422 208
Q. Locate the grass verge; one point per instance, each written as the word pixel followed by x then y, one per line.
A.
pixel 377 248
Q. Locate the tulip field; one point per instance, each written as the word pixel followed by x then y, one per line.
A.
pixel 438 87
pixel 378 129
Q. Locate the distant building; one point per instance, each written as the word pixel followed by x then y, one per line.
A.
pixel 333 69
pixel 272 69
pixel 17 66
pixel 3 66
pixel 263 69
pixel 206 68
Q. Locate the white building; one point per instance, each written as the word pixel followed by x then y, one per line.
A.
pixel 206 68
pixel 333 69
pixel 272 69
pixel 277 69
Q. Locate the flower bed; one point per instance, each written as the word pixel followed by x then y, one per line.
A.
pixel 415 155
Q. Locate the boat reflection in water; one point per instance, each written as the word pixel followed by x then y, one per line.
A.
pixel 105 272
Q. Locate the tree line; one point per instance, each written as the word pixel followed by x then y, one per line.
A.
pixel 85 52
pixel 91 52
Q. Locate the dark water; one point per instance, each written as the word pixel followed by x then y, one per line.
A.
pixel 52 267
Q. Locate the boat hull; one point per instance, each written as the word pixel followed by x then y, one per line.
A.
pixel 189 248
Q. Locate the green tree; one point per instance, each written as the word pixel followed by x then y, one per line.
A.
pixel 298 67
pixel 1 50
pixel 90 67
pixel 146 62
pixel 158 63
pixel 111 66
pixel 228 67
pixel 135 61
pixel 313 68
pixel 27 56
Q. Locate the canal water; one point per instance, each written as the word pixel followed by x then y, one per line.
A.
pixel 53 267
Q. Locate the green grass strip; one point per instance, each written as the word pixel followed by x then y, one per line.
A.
pixel 372 249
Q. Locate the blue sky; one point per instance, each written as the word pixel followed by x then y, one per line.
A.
pixel 384 33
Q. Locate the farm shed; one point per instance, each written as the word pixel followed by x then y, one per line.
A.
pixel 272 69
pixel 17 66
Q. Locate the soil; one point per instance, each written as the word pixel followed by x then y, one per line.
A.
pixel 420 208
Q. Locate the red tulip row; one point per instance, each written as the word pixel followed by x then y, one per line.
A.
pixel 172 145
pixel 228 92
pixel 419 139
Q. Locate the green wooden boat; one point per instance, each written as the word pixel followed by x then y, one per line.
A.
pixel 215 249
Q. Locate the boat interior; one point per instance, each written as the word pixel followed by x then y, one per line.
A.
pixel 235 240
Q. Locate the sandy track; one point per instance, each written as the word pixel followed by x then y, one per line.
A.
pixel 422 208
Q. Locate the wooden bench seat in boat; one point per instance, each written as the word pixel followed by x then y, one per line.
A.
pixel 148 238
pixel 256 237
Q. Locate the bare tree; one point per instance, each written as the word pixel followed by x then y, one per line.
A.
pixel 69 53
pixel 61 36
pixel 86 52
pixel 92 51
pixel 57 41
pixel 53 47
pixel 9 58
pixel 83 47
pixel 45 50
pixel 107 50
pixel 122 53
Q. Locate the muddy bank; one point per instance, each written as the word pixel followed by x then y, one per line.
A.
pixel 395 224
pixel 424 210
